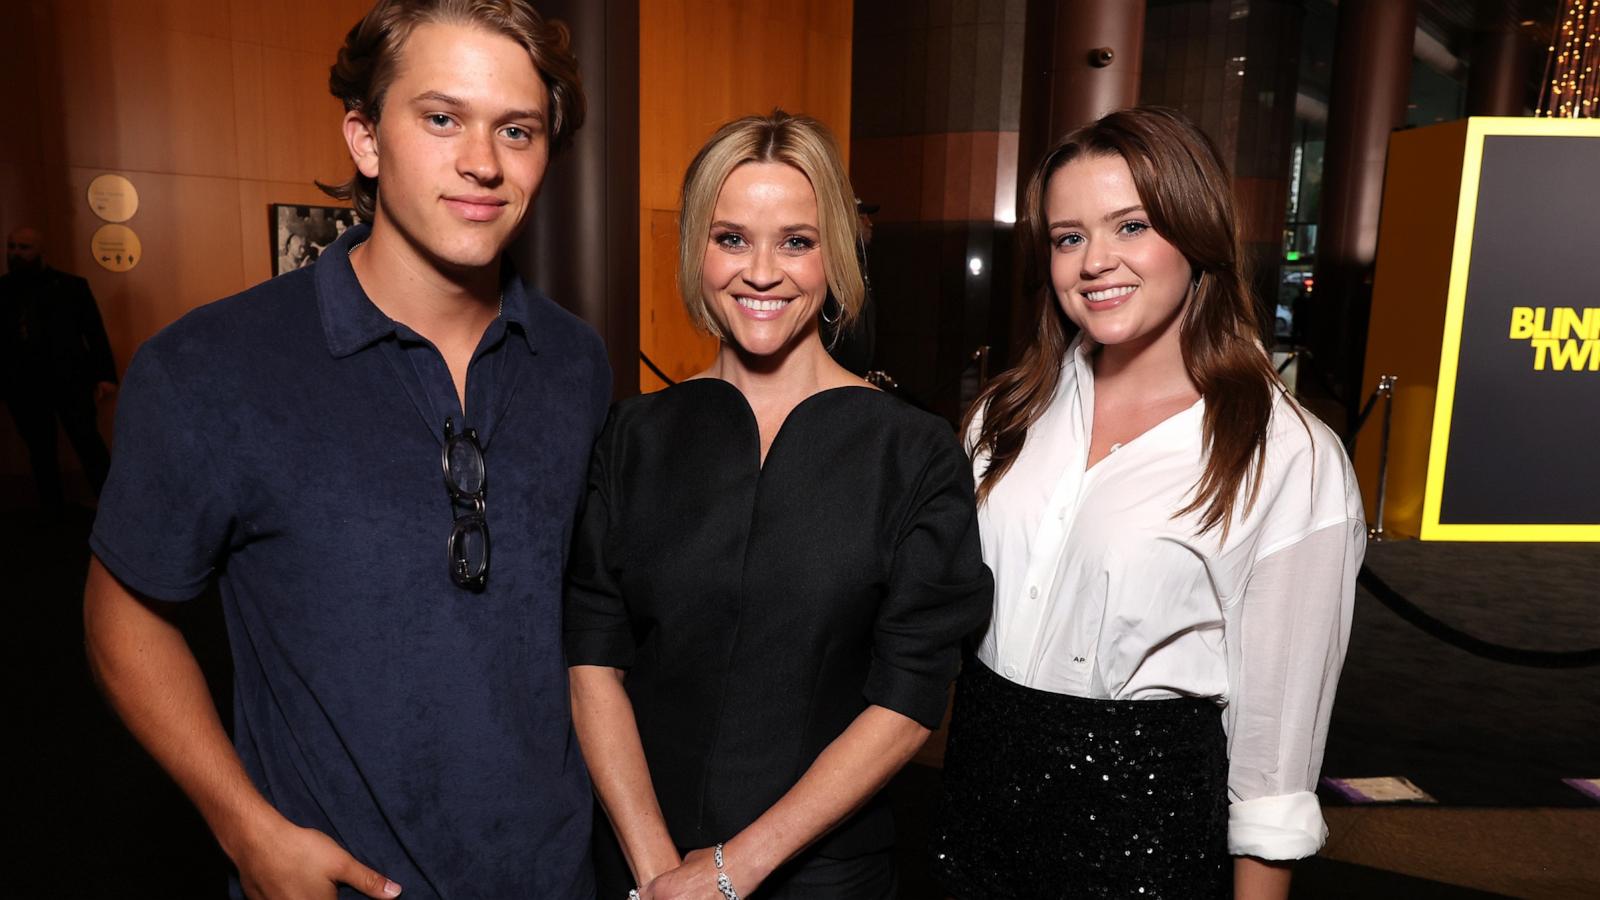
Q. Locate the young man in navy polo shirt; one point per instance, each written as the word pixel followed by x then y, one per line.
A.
pixel 400 712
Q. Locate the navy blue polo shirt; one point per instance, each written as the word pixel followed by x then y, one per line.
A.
pixel 285 442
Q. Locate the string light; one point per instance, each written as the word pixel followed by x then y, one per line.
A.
pixel 1571 87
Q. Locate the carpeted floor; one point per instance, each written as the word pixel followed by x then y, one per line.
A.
pixel 1468 730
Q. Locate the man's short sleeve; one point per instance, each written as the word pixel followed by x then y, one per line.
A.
pixel 164 516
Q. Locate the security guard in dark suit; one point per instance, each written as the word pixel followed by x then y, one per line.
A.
pixel 55 363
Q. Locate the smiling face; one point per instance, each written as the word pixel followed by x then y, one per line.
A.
pixel 763 274
pixel 1114 276
pixel 461 146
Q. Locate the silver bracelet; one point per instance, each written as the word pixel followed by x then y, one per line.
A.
pixel 724 884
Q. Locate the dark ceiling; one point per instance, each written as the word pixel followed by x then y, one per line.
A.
pixel 1453 21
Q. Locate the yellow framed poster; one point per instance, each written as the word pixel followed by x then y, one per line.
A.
pixel 1514 453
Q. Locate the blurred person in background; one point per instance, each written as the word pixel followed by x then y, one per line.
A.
pixel 56 363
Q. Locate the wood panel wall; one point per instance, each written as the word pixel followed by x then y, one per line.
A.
pixel 213 108
pixel 700 65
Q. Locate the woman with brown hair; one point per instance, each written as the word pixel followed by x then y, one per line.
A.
pixel 775 566
pixel 1174 545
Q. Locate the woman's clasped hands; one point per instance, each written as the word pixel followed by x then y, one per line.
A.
pixel 695 878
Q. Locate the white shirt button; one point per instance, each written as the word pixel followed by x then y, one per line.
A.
pixel 1033 592
pixel 1011 671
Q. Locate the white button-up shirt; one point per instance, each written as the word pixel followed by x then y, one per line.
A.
pixel 1100 592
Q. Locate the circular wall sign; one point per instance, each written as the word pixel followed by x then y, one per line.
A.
pixel 113 198
pixel 116 247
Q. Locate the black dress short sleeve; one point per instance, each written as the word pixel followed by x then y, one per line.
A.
pixel 596 626
pixel 760 606
pixel 939 592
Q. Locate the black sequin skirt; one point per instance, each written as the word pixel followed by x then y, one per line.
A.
pixel 1048 795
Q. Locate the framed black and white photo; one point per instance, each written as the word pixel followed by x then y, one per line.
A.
pixel 300 233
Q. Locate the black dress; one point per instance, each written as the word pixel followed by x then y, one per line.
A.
pixel 759 609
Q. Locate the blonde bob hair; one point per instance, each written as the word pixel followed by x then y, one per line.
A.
pixel 798 141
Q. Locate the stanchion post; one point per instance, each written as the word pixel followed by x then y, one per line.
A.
pixel 1289 357
pixel 1386 390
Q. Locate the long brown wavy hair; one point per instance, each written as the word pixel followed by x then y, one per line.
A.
pixel 1186 192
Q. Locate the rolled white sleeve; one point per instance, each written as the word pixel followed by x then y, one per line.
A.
pixel 1285 639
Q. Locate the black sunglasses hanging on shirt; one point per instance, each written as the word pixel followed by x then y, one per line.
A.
pixel 467 481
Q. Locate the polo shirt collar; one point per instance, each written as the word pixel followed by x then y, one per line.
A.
pixel 516 307
pixel 352 322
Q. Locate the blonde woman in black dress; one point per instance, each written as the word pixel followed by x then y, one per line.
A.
pixel 775 566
